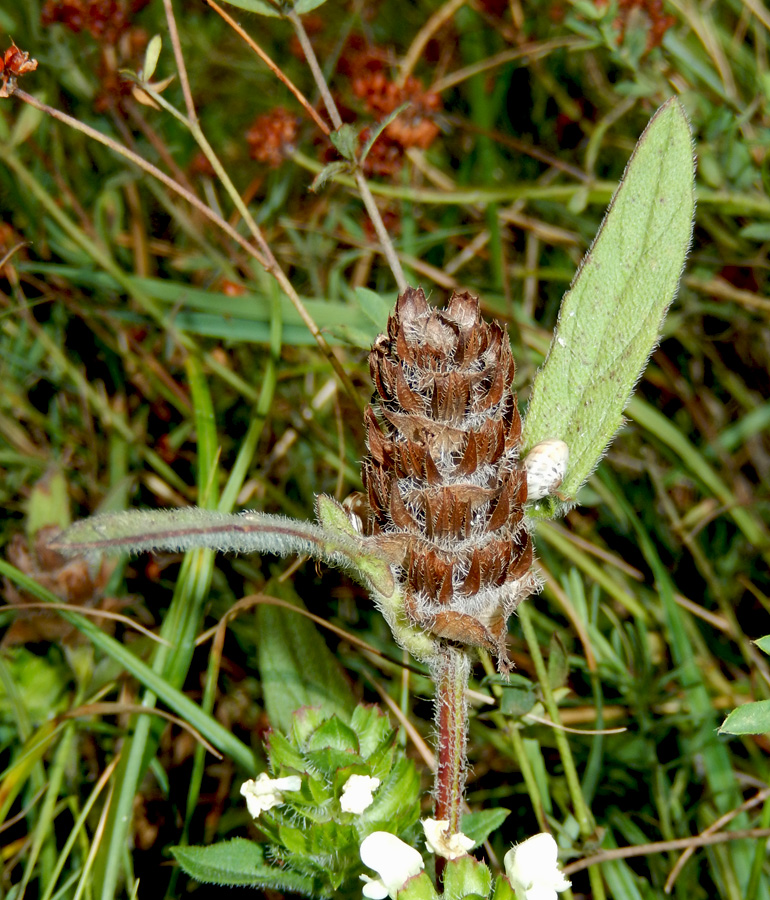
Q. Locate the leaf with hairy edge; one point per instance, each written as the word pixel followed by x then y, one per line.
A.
pixel 239 862
pixel 466 876
pixel 610 318
pixel 753 718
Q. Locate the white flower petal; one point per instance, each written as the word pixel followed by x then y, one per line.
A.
pixel 439 841
pixel 374 889
pixel 265 792
pixel 533 869
pixel 358 793
pixel 393 860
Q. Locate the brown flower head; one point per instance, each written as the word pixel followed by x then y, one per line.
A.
pixel 444 483
pixel 415 127
pixel 272 137
pixel 106 20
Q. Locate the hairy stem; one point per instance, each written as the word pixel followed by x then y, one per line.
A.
pixel 451 670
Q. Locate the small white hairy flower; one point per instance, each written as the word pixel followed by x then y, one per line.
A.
pixel 358 793
pixel 439 841
pixel 546 466
pixel 532 869
pixel 267 792
pixel 394 861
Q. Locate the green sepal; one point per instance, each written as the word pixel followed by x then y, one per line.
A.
pixel 464 876
pixel 333 734
pixel 396 803
pixel 503 889
pixel 372 570
pixel 418 887
pixel 282 754
pixel 329 760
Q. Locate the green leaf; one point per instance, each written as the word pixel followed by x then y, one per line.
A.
pixel 757 231
pixel 296 667
pixel 558 663
pixel 27 120
pixel 479 825
pixel 345 141
pixel 610 318
pixel 379 128
pixel 466 875
pixel 753 718
pixel 303 6
pixel 518 698
pixel 238 862
pixel 328 172
pixel 260 7
pixel 151 57
pixel 48 504
pixel 764 643
pixel 374 307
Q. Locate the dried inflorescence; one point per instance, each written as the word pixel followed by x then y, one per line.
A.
pixel 444 484
pixel 106 20
pixel 13 63
pixel 273 136
pixel 415 127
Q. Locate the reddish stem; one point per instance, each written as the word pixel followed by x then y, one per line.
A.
pixel 451 672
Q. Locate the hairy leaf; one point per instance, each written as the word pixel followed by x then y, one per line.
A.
pixel 239 862
pixel 610 318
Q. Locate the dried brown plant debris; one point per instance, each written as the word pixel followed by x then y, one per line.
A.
pixel 73 580
pixel 13 64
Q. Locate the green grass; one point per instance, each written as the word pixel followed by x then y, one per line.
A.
pixel 132 375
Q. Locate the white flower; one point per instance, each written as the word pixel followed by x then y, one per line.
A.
pixel 393 860
pixel 533 870
pixel 358 793
pixel 441 842
pixel 266 792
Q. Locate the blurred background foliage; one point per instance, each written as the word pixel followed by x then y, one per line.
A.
pixel 147 361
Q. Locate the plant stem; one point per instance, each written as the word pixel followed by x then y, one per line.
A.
pixel 582 813
pixel 363 186
pixel 451 670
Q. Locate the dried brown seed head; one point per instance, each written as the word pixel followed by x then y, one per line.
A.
pixel 443 479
